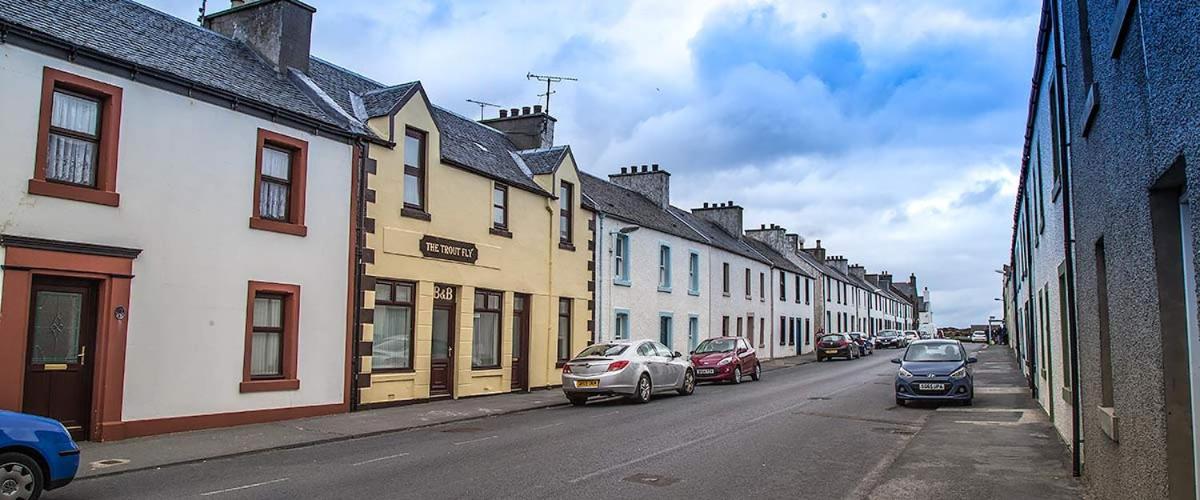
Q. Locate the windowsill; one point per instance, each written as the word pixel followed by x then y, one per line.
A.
pixel 278 226
pixel 622 283
pixel 500 232
pixel 1109 423
pixel 485 368
pixel 285 384
pixel 414 213
pixel 566 245
pixel 1054 192
pixel 559 364
pixel 389 371
pixel 725 294
pixel 664 290
pixel 694 293
pixel 76 193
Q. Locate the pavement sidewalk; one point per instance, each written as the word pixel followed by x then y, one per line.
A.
pixel 98 459
pixel 1004 446
pixel 789 362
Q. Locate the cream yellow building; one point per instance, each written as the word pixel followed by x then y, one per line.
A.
pixel 478 263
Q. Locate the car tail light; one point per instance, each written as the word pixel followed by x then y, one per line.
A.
pixel 617 366
pixel 566 368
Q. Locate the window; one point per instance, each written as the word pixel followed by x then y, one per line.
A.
pixel 621 325
pixel 279 184
pixel 798 288
pixel 1106 369
pixel 724 326
pixel 792 331
pixel 566 193
pixel 78 134
pixel 783 286
pixel 725 278
pixel 415 174
pixel 828 292
pixel 828 322
pixel 500 209
pixel 564 331
pixel 664 268
pixel 485 340
pixel 392 345
pixel 762 331
pixel 748 294
pixel 739 326
pixel 272 317
pixel 621 259
pixel 750 329
pixel 807 331
pixel 693 332
pixel 762 286
pixel 694 273
pixel 807 289
pixel 665 326
pixel 783 322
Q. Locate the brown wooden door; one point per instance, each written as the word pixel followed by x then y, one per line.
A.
pixel 61 347
pixel 520 349
pixel 441 359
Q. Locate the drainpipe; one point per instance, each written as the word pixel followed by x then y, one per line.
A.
pixel 600 256
pixel 360 195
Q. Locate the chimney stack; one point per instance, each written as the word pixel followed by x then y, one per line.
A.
pixel 775 237
pixel 526 127
pixel 817 252
pixel 653 184
pixel 280 31
pixel 727 216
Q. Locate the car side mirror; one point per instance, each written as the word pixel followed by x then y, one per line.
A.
pixel 676 355
pixel 896 360
pixel 972 359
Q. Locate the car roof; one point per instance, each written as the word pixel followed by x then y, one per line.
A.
pixel 935 341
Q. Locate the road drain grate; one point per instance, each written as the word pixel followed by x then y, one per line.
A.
pixel 820 398
pixel 463 429
pixel 651 479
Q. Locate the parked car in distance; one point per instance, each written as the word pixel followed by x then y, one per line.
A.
pixel 911 336
pixel 636 369
pixel 725 359
pixel 837 345
pixel 925 335
pixel 935 370
pixel 866 346
pixel 890 339
pixel 979 336
pixel 38 455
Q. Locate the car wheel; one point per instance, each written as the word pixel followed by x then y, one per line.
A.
pixel 899 402
pixel 20 477
pixel 819 359
pixel 737 375
pixel 757 375
pixel 578 400
pixel 642 393
pixel 689 384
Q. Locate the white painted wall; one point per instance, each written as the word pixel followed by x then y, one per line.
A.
pixel 736 304
pixel 642 299
pixel 789 308
pixel 185 175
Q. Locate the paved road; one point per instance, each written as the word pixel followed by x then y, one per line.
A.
pixel 822 430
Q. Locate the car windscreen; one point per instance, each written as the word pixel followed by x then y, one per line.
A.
pixel 715 345
pixel 603 350
pixel 939 351
pixel 832 338
pixel 889 333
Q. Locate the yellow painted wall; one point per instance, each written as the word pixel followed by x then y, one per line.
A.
pixel 459 203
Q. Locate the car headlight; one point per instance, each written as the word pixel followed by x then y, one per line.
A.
pixel 724 362
pixel 959 373
pixel 905 374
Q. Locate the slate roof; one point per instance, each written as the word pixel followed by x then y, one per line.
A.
pixel 813 261
pixel 631 206
pixel 718 237
pixel 904 289
pixel 151 39
pixel 339 82
pixel 380 102
pixel 483 149
pixel 777 259
pixel 861 283
pixel 545 160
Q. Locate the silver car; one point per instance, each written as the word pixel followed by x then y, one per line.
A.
pixel 632 368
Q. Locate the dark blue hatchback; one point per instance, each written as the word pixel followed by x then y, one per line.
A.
pixel 935 370
pixel 36 454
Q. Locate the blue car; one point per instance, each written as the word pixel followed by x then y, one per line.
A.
pixel 935 370
pixel 36 454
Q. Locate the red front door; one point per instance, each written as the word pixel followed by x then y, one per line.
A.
pixel 60 350
pixel 520 349
pixel 441 359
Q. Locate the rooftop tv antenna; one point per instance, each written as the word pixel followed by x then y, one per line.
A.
pixel 203 8
pixel 483 105
pixel 549 79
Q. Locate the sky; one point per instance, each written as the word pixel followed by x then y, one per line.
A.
pixel 891 131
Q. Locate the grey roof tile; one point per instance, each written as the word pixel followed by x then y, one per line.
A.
pixel 545 160
pixel 631 206
pixel 380 102
pixel 480 148
pixel 777 259
pixel 718 237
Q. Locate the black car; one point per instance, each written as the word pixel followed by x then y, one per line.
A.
pixel 891 339
pixel 866 347
pixel 836 345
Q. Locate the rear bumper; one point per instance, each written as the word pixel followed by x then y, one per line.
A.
pixel 623 382
pixel 842 352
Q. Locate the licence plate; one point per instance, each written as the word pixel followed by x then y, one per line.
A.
pixel 830 351
pixel 587 383
pixel 931 387
pixel 705 371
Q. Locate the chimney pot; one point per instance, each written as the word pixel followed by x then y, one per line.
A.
pixel 654 167
pixel 762 226
pixel 525 110
pixel 623 170
pixel 504 113
pixel 706 204
pixel 818 243
pixel 537 108
pixel 514 111
pixel 731 203
pixel 645 169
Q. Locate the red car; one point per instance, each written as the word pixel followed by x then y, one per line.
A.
pixel 836 345
pixel 725 359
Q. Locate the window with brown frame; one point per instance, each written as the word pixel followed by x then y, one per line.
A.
pixel 392 344
pixel 725 279
pixel 272 330
pixel 500 208
pixel 78 135
pixel 485 341
pixel 280 176
pixel 566 194
pixel 748 294
pixel 762 286
pixel 415 175
pixel 564 331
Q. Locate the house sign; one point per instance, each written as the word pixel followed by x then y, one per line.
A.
pixel 442 248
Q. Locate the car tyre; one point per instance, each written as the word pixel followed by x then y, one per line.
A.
pixel 641 393
pixel 23 474
pixel 689 384
pixel 757 375
pixel 577 400
pixel 899 402
pixel 737 375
